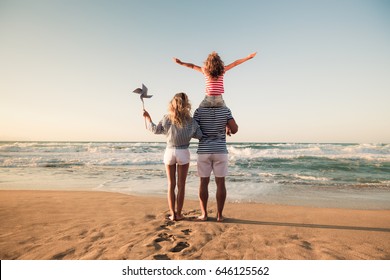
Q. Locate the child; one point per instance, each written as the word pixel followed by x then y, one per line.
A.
pixel 214 71
pixel 179 127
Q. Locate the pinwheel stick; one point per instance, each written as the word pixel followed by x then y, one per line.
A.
pixel 143 107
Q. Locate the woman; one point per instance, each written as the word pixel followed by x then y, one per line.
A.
pixel 179 127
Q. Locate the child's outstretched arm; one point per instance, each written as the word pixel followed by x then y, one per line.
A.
pixel 189 65
pixel 239 61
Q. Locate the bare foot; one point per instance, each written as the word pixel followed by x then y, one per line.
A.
pixel 202 218
pixel 172 218
pixel 179 217
pixel 220 219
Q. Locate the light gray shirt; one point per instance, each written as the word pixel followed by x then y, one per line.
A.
pixel 177 137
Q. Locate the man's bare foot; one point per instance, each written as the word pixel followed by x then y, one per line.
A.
pixel 220 219
pixel 179 217
pixel 172 218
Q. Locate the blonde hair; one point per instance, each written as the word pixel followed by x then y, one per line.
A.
pixel 179 109
pixel 214 66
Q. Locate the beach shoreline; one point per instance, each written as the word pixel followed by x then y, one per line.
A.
pixel 79 225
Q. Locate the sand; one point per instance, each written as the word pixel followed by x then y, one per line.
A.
pixel 46 225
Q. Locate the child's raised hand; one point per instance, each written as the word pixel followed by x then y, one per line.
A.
pixel 178 61
pixel 252 55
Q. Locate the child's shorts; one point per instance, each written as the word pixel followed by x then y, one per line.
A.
pixel 176 156
pixel 216 163
pixel 213 101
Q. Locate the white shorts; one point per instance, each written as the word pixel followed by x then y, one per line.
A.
pixel 176 156
pixel 217 163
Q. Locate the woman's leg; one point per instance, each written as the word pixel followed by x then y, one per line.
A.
pixel 182 171
pixel 171 176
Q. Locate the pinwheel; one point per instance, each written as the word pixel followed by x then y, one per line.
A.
pixel 143 92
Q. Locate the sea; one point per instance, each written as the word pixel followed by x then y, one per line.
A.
pixel 353 176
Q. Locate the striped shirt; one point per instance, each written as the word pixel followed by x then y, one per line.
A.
pixel 177 137
pixel 213 123
pixel 214 87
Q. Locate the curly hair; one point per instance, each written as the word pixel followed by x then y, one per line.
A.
pixel 214 66
pixel 179 109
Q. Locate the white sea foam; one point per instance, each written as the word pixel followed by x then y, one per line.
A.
pixel 377 152
pixel 309 178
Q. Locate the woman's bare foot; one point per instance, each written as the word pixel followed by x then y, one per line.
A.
pixel 172 218
pixel 202 218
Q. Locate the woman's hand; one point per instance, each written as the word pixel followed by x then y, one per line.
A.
pixel 147 116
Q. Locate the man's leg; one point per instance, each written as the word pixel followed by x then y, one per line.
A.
pixel 204 196
pixel 221 196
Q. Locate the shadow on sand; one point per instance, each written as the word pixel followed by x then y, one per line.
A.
pixel 248 222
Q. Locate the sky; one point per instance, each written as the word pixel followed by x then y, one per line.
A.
pixel 321 74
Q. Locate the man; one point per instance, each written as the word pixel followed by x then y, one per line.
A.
pixel 215 123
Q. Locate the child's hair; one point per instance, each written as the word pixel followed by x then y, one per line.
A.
pixel 179 109
pixel 214 66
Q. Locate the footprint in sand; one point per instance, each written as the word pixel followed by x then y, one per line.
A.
pixel 180 247
pixel 167 224
pixel 186 231
pixel 83 233
pixel 62 255
pixel 161 257
pixel 164 237
pixel 149 217
pixel 29 240
pixel 306 245
pixel 97 236
pixel 294 237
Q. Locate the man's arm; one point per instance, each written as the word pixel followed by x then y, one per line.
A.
pixel 233 127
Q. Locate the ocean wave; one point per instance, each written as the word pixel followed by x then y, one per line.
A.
pixel 78 147
pixel 39 162
pixel 270 163
pixel 60 154
pixel 310 178
pixel 369 152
